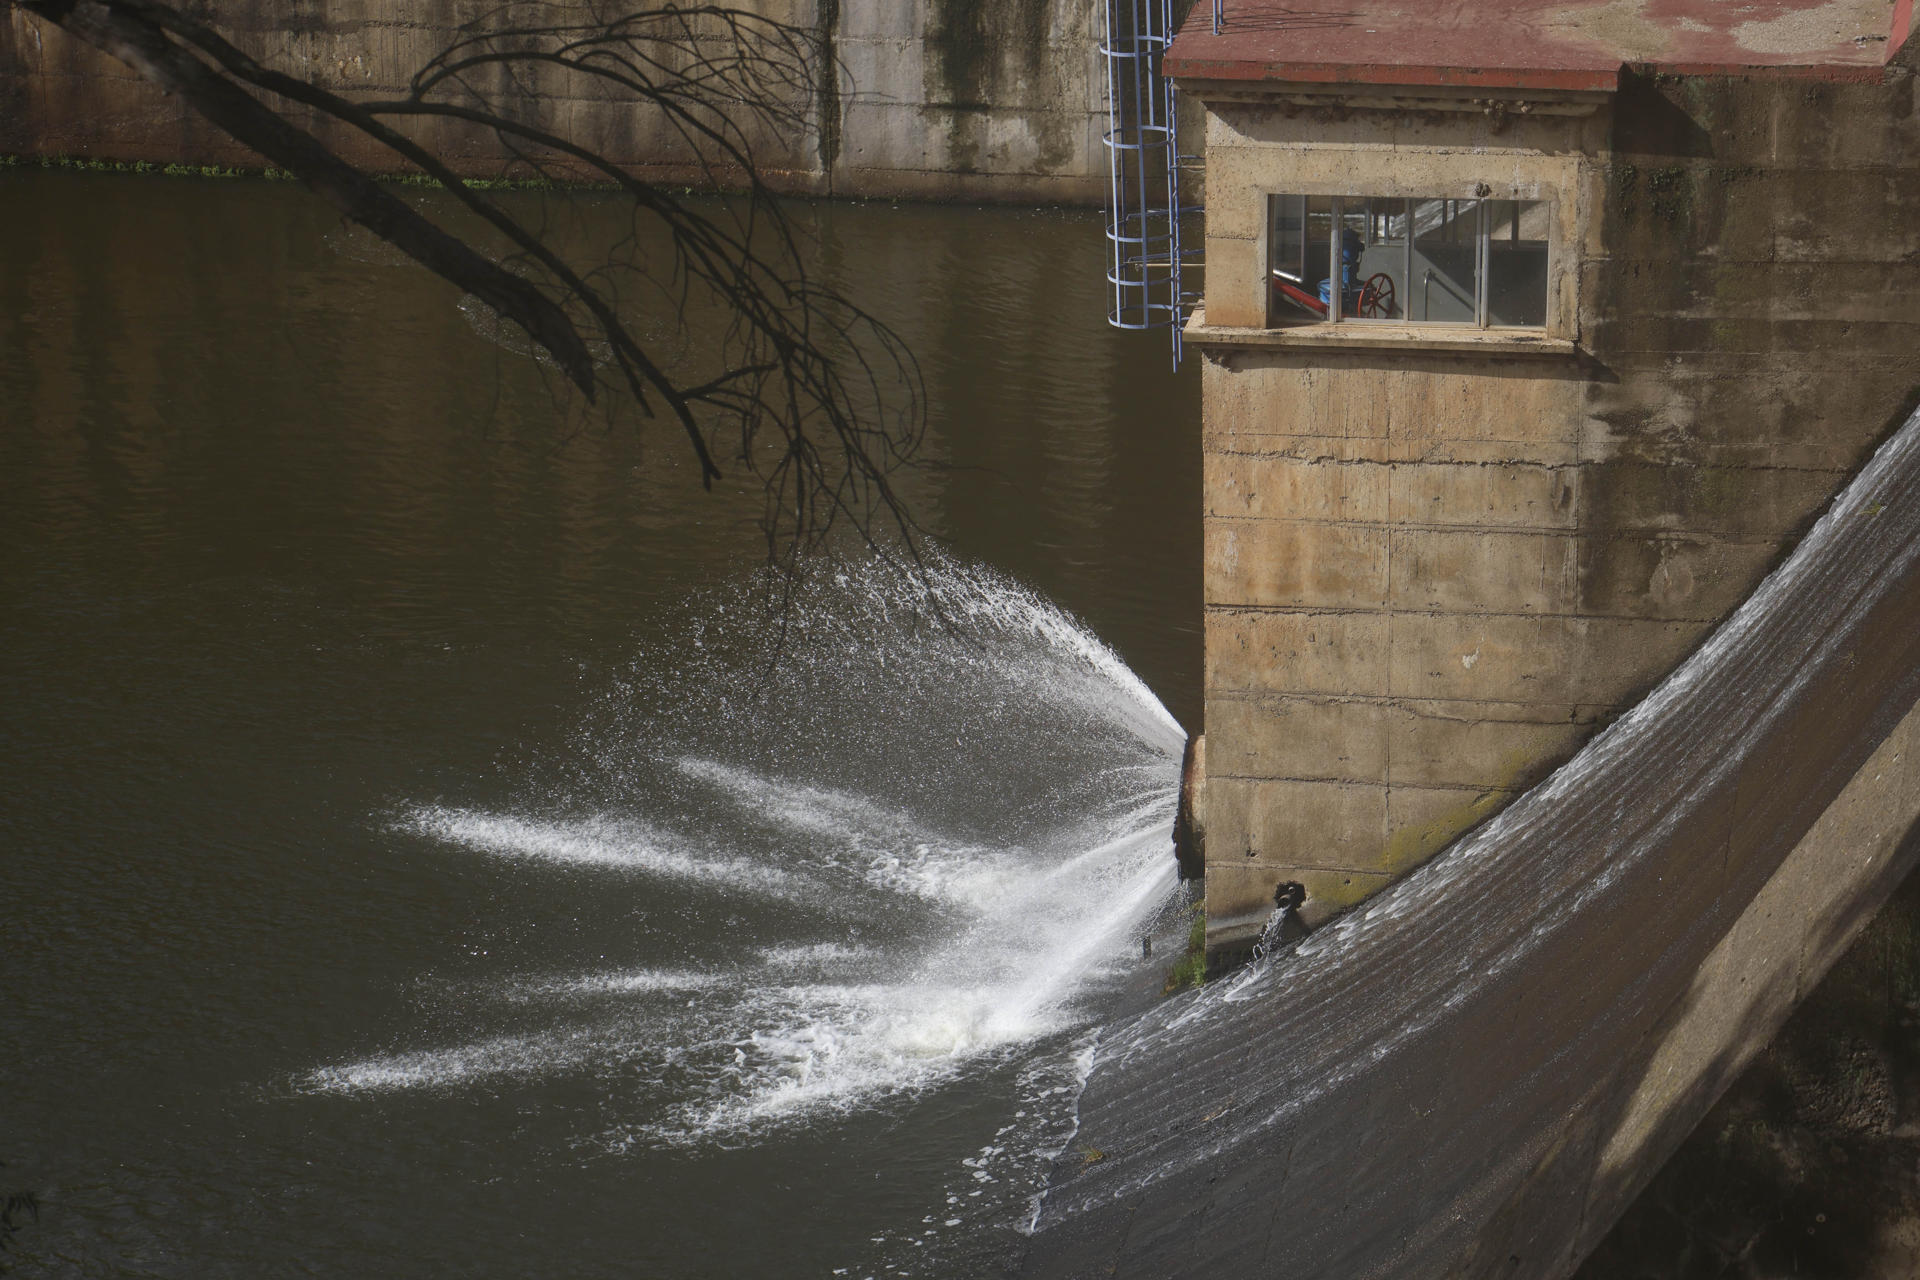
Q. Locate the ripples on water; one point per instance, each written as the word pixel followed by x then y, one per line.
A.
pixel 822 774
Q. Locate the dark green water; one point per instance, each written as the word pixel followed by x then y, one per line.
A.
pixel 394 857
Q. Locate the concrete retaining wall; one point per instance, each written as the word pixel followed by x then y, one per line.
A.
pixel 982 99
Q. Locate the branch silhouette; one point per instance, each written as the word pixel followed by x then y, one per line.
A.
pixel 806 390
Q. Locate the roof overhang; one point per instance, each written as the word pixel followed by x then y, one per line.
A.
pixel 1566 49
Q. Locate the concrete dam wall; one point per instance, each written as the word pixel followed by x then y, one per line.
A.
pixel 1474 1074
pixel 974 99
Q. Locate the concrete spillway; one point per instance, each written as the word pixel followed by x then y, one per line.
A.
pixel 1474 1073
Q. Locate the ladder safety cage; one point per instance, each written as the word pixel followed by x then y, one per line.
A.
pixel 1146 250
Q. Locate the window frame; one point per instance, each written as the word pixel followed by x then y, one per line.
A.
pixel 1482 321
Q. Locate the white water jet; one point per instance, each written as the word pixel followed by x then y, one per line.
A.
pixel 941 805
pixel 594 840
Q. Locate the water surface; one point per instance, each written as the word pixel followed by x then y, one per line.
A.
pixel 410 865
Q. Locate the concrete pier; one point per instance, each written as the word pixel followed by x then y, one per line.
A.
pixel 1441 556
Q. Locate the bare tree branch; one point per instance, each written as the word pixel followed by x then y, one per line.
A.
pixel 807 390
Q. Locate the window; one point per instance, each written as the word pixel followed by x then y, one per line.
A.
pixel 1356 259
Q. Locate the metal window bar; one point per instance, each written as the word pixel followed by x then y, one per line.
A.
pixel 1407 206
pixel 1482 255
pixel 1336 263
pixel 1146 249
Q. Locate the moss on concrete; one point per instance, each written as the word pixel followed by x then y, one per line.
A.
pixel 1410 846
pixel 1191 969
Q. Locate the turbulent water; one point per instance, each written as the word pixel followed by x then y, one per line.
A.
pixel 957 802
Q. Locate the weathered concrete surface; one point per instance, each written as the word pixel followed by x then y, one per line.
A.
pixel 1436 565
pixel 1001 99
pixel 1798 926
pixel 1473 1075
pixel 1808 1164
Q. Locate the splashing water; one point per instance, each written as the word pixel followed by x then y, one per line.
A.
pixel 906 829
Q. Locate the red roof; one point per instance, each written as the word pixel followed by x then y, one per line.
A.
pixel 1535 44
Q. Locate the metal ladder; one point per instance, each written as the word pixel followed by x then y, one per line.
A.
pixel 1147 247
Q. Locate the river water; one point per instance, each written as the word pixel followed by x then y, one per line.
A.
pixel 421 856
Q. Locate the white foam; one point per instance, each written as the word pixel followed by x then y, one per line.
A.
pixel 883 846
pixel 816 955
pixel 980 879
pixel 755 1053
pixel 815 810
pixel 614 983
pixel 593 841
pixel 512 1055
pixel 826 1049
pixel 1005 982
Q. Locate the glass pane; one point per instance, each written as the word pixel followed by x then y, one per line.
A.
pixel 1287 234
pixel 1443 283
pixel 1377 289
pixel 1286 253
pixel 1350 244
pixel 1299 242
pixel 1320 249
pixel 1517 262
